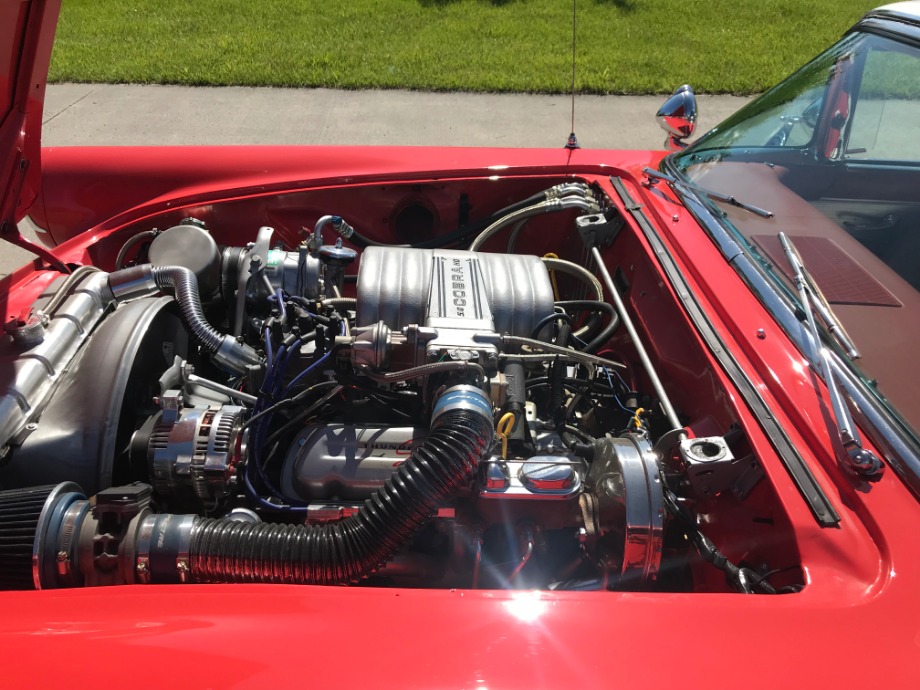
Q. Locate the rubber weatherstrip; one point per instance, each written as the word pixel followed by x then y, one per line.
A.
pixel 820 505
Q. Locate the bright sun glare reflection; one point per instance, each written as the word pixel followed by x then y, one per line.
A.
pixel 527 607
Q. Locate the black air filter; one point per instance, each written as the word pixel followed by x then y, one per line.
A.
pixel 23 514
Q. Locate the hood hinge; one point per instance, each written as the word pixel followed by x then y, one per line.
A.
pixel 8 229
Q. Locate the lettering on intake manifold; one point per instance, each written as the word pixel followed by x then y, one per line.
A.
pixel 395 285
pixel 441 299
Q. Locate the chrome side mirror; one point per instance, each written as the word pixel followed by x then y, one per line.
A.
pixel 677 117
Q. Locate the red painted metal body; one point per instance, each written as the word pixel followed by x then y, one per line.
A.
pixel 861 576
pixel 259 636
pixel 855 624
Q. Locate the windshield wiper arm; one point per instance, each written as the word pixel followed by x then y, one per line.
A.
pixel 823 309
pixel 860 461
pixel 715 196
pixel 821 306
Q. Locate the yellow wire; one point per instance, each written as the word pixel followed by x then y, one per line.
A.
pixel 503 428
pixel 638 421
pixel 552 275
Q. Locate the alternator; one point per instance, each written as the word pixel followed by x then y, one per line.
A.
pixel 194 448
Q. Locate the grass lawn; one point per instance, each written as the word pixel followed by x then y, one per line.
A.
pixel 624 46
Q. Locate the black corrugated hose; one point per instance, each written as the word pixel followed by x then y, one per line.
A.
pixel 348 551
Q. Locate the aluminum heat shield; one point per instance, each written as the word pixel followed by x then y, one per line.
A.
pixel 402 286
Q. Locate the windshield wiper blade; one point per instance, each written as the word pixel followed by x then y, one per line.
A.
pixel 715 196
pixel 860 461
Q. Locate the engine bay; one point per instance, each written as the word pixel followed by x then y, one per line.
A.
pixel 470 383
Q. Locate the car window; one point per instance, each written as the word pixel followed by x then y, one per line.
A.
pixel 848 198
pixel 786 116
pixel 885 119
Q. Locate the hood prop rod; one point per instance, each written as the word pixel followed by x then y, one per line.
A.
pixel 637 342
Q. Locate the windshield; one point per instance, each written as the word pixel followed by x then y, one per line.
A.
pixel 834 153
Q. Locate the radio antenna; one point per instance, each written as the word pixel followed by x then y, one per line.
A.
pixel 572 143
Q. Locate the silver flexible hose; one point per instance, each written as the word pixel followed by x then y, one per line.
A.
pixel 576 271
pixel 318 230
pixel 549 206
pixel 427 370
pixel 551 349
pixel 64 290
pixel 559 190
pixel 184 285
pixel 567 188
pixel 581 273
pixel 336 302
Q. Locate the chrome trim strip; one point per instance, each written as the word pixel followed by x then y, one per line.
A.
pixel 897 27
pixel 890 14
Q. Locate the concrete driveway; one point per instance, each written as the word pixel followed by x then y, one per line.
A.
pixel 123 115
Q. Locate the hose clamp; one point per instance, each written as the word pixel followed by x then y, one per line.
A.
pixel 163 545
pixel 464 397
pixel 47 529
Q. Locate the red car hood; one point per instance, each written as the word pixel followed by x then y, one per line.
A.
pixel 26 34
